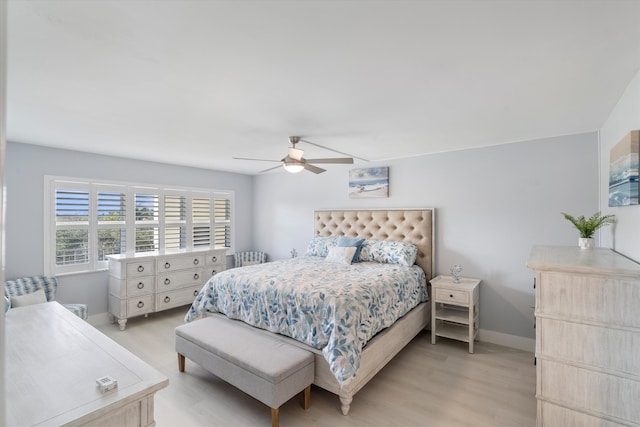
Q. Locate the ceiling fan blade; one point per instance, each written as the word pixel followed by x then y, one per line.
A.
pixel 343 160
pixel 313 169
pixel 259 160
pixel 295 153
pixel 335 151
pixel 270 169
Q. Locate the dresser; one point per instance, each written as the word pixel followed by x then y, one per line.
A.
pixel 53 359
pixel 587 337
pixel 147 282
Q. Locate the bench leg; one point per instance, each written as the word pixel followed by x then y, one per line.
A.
pixel 306 397
pixel 180 362
pixel 275 417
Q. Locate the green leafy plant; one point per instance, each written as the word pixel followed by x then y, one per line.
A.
pixel 587 227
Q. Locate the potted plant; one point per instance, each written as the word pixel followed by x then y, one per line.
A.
pixel 587 227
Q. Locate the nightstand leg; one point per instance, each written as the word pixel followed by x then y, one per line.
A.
pixel 433 322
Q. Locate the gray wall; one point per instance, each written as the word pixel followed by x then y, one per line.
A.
pixel 625 117
pixel 492 205
pixel 26 166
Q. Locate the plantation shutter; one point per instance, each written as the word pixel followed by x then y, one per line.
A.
pixel 175 215
pixel 146 223
pixel 222 217
pixel 201 217
pixel 111 209
pixel 71 226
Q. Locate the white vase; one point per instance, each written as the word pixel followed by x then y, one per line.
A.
pixel 586 243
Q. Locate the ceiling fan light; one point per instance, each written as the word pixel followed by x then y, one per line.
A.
pixel 293 167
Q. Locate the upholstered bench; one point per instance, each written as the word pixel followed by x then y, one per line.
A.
pixel 264 367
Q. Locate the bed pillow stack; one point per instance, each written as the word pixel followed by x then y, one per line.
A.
pixel 383 251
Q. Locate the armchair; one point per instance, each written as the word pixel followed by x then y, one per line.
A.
pixel 49 284
pixel 249 258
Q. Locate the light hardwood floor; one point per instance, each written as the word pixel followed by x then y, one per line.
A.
pixel 424 385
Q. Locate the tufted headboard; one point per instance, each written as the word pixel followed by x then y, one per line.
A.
pixel 403 225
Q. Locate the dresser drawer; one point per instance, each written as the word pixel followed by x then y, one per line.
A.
pixel 592 298
pixel 143 268
pixel 450 296
pixel 181 279
pixel 583 343
pixel 595 392
pixel 217 257
pixel 166 300
pixel 141 305
pixel 140 286
pixel 180 262
pixel 554 415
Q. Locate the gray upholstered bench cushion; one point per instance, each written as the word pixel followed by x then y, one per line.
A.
pixel 262 366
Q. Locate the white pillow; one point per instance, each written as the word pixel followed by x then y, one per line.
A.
pixel 36 297
pixel 342 255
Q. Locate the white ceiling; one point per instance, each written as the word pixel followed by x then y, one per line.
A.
pixel 199 82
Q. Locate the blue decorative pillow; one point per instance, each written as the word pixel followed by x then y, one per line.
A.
pixel 7 304
pixel 319 246
pixel 389 252
pixel 344 241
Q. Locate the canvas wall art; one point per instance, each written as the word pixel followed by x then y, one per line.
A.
pixel 368 183
pixel 623 170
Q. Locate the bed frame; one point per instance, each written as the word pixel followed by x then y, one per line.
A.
pixel 405 225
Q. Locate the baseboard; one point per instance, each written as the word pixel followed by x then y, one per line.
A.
pixel 513 341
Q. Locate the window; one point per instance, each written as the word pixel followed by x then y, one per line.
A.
pixel 85 221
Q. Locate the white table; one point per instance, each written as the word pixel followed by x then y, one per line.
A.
pixel 53 359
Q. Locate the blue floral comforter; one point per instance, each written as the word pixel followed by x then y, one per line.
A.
pixel 328 306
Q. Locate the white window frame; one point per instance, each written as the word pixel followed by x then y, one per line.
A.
pixel 51 183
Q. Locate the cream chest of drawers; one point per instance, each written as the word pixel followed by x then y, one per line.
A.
pixel 147 282
pixel 587 337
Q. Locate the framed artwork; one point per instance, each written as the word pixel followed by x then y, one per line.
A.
pixel 623 171
pixel 368 183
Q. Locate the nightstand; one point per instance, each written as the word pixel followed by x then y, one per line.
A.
pixel 455 309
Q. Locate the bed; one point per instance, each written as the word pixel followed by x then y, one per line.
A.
pixel 350 344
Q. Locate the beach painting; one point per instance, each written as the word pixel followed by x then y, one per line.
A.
pixel 368 183
pixel 623 171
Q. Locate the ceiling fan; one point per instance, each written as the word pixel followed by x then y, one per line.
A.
pixel 294 162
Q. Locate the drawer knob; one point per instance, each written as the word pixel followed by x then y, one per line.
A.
pixel 167 299
pixel 214 258
pixel 167 281
pixel 195 293
pixel 167 265
pixel 213 272
pixel 140 304
pixel 140 268
pixel 196 276
pixel 140 285
pixel 195 261
pixel 450 295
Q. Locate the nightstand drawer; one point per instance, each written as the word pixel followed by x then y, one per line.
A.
pixel 450 296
